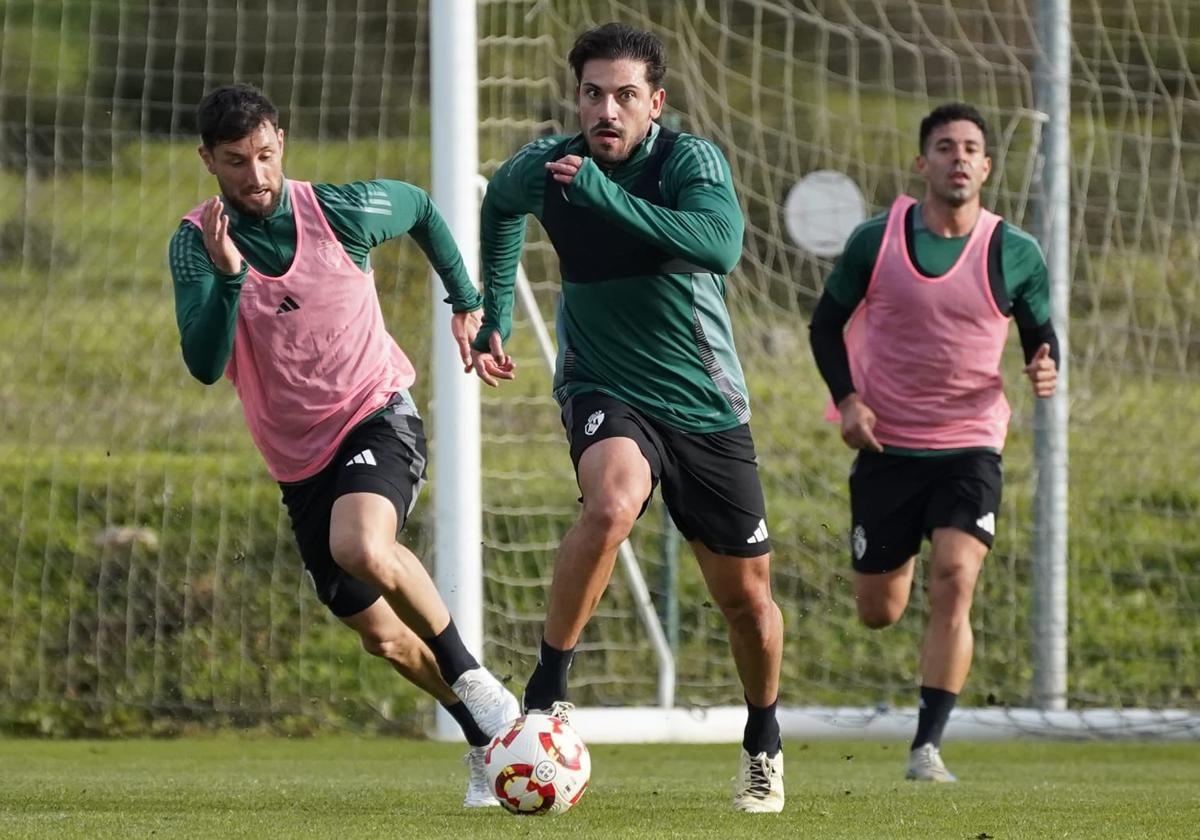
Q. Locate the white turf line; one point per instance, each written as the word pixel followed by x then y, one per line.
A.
pixel 724 724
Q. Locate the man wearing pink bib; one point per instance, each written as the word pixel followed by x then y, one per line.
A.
pixel 274 288
pixel 928 289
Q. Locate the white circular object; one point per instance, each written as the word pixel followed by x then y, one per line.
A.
pixel 822 210
pixel 537 766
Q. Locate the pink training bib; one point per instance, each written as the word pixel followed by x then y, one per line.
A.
pixel 311 355
pixel 925 351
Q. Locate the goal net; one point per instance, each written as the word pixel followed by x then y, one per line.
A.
pixel 789 88
pixel 148 576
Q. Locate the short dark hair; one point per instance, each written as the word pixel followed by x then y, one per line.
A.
pixel 616 40
pixel 948 113
pixel 232 112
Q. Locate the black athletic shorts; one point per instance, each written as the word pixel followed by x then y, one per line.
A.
pixel 385 455
pixel 895 500
pixel 709 481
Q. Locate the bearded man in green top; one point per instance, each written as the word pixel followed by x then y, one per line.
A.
pixel 646 226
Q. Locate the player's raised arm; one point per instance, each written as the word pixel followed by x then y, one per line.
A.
pixel 703 224
pixel 206 302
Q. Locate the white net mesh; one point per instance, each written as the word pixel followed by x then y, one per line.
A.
pixel 147 570
pixel 789 88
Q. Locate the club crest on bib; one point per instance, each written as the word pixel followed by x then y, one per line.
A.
pixel 593 423
pixel 858 541
pixel 330 252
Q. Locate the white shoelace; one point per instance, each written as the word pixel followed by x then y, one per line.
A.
pixel 760 777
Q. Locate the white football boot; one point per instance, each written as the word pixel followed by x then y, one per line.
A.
pixel 479 792
pixel 560 709
pixel 489 702
pixel 759 784
pixel 925 765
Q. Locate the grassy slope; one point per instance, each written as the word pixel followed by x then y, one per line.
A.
pixel 344 787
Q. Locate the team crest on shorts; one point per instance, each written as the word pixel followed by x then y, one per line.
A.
pixel 858 541
pixel 593 423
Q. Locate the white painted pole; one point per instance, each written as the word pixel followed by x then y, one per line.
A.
pixel 1053 92
pixel 455 460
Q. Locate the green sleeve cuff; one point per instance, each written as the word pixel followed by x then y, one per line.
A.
pixel 235 279
pixel 468 304
pixel 482 338
pixel 588 185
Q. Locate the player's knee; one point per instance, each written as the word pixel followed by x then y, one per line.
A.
pixel 365 559
pixel 377 644
pixel 390 648
pixel 951 592
pixel 613 516
pixel 879 613
pixel 751 612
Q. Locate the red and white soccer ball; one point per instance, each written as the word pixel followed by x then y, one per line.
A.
pixel 538 766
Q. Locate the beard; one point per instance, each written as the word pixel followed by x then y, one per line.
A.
pixel 612 155
pixel 257 211
pixel 608 155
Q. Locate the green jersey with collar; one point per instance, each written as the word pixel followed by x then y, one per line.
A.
pixel 644 250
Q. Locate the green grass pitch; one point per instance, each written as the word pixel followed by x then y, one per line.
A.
pixel 347 787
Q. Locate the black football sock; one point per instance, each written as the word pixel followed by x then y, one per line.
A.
pixel 549 680
pixel 762 730
pixel 470 728
pixel 933 715
pixel 451 654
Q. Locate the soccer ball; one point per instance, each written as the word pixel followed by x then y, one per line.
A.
pixel 538 766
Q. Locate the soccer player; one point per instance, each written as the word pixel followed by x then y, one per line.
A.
pixel 928 289
pixel 646 226
pixel 274 288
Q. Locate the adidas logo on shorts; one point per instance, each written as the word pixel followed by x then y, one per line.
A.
pixel 760 533
pixel 365 457
pixel 987 522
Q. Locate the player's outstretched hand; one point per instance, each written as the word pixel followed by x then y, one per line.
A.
pixel 1042 372
pixel 494 364
pixel 858 424
pixel 565 169
pixel 464 326
pixel 217 241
